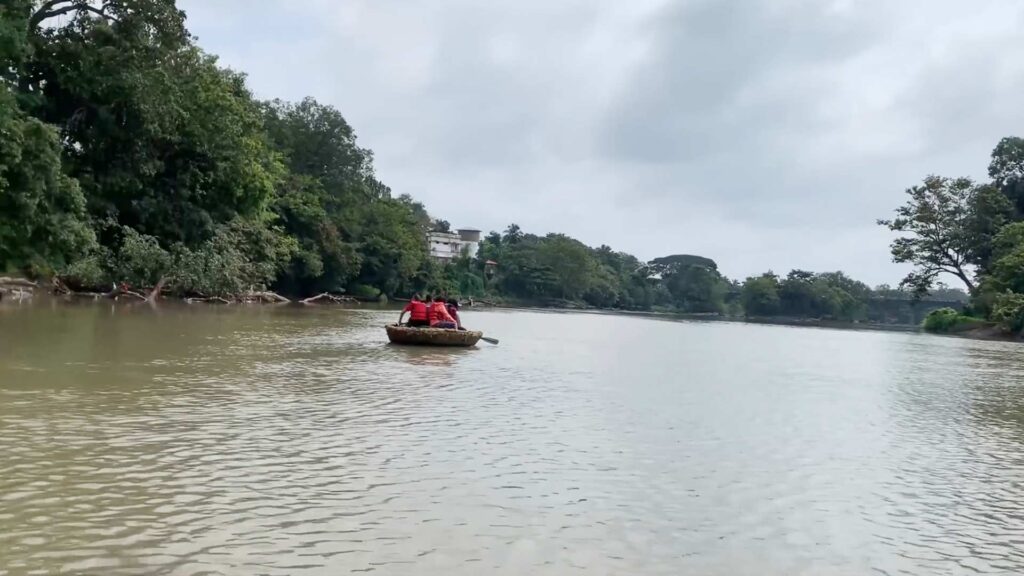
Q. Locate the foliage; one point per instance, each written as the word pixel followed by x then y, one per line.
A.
pixel 1007 270
pixel 831 295
pixel 179 171
pixel 392 245
pixel 89 273
pixel 1007 171
pixel 1008 312
pixel 43 222
pixel 14 26
pixel 947 320
pixel 693 282
pixel 241 256
pixel 666 264
pixel 948 226
pixel 557 268
pixel 349 229
pixel 760 295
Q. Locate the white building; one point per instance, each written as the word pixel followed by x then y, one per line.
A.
pixel 444 246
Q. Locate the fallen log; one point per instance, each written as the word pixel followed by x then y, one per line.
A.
pixel 132 294
pixel 155 292
pixel 18 293
pixel 264 297
pixel 330 298
pixel 20 282
pixel 207 300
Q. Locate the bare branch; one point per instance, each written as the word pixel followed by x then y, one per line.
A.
pixel 50 10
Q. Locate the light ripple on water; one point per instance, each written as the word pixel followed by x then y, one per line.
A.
pixel 214 441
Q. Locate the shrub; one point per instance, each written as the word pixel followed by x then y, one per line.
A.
pixel 1008 312
pixel 88 273
pixel 364 291
pixel 947 320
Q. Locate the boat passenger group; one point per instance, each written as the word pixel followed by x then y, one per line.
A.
pixel 432 313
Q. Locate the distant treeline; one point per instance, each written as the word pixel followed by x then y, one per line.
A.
pixel 556 270
pixel 129 156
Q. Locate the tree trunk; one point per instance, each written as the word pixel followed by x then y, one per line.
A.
pixel 971 289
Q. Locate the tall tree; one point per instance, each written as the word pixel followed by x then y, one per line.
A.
pixel 160 138
pixel 760 295
pixel 948 224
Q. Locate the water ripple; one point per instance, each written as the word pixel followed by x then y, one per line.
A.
pixel 257 441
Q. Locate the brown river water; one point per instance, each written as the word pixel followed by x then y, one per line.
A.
pixel 259 440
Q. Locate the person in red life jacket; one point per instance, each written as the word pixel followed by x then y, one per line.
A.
pixel 439 316
pixel 417 310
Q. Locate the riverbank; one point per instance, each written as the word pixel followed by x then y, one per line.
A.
pixel 27 296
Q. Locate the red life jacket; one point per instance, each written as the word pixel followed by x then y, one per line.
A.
pixel 439 313
pixel 417 311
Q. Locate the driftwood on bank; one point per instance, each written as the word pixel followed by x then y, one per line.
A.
pixel 210 299
pixel 116 291
pixel 330 298
pixel 16 288
pixel 148 294
pixel 7 282
pixel 263 298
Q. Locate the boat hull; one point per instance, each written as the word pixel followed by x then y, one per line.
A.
pixel 432 336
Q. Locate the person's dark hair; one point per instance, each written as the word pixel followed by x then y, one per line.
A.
pixel 438 299
pixel 417 298
pixel 427 298
pixel 454 303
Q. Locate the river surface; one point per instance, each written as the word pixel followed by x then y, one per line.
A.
pixel 259 440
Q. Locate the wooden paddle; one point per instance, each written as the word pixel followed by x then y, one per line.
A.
pixel 490 340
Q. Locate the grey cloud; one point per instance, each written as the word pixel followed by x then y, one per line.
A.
pixel 763 133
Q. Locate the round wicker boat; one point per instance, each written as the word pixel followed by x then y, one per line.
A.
pixel 432 336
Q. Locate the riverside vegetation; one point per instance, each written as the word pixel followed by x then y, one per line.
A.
pixel 130 158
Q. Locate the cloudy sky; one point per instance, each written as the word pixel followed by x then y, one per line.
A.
pixel 766 134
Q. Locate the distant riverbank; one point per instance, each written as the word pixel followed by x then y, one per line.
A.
pixel 988 332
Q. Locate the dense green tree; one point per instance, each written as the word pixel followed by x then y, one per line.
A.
pixel 693 282
pixel 760 295
pixel 43 222
pixel 1007 270
pixel 14 27
pixel 1007 171
pixel 392 245
pixel 571 264
pixel 667 264
pixel 696 287
pixel 160 138
pixel 621 281
pixel 330 184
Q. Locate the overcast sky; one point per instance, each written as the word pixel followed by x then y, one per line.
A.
pixel 766 134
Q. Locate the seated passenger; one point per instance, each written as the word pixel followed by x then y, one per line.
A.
pixel 453 310
pixel 439 316
pixel 417 310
